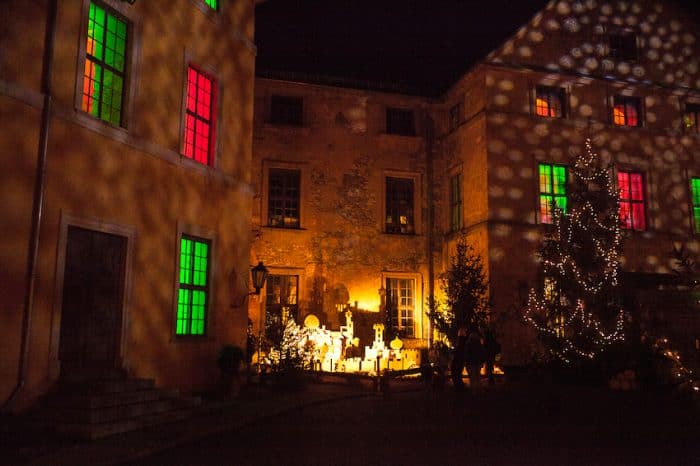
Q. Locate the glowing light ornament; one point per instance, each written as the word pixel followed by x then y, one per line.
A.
pixel 580 315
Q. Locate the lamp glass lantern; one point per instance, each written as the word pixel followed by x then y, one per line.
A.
pixel 259 274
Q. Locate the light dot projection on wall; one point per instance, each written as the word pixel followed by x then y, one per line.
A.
pixel 625 40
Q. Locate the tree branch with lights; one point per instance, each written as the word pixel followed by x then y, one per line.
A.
pixel 577 312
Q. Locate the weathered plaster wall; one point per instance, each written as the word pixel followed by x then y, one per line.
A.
pixel 344 156
pixel 132 178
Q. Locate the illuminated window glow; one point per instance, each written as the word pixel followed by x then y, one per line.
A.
pixel 192 292
pixel 632 211
pixel 399 206
pixel 626 111
pixel 552 180
pixel 549 102
pixel 695 193
pixel 199 117
pixel 401 301
pixel 213 4
pixel 283 198
pixel 281 298
pixel 105 65
pixel 456 204
pixel 691 118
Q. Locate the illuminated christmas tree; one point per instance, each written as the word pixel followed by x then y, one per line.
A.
pixel 577 312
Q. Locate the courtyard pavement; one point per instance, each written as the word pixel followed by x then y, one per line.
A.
pixel 510 423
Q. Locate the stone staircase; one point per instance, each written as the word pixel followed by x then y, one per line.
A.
pixel 89 407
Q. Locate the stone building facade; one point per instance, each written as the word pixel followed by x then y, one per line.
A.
pixel 625 74
pixel 141 116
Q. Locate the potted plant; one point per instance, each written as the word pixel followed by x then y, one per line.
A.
pixel 229 363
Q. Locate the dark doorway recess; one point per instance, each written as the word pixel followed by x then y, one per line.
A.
pixel 93 294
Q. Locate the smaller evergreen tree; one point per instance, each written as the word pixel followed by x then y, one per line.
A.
pixel 465 286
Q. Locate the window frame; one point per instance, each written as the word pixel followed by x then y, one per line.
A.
pixel 413 224
pixel 630 201
pixel 626 101
pixel 402 314
pixel 553 94
pixel 214 115
pixel 695 204
pixel 456 202
pixel 128 75
pixel 691 111
pixel 455 116
pixel 207 289
pixel 279 102
pixel 394 124
pixel 628 40
pixel 269 198
pixel 552 193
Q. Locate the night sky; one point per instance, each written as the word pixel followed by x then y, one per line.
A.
pixel 423 45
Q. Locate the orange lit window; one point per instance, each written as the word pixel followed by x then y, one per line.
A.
pixel 549 102
pixel 626 111
pixel 199 117
pixel 632 212
pixel 401 306
pixel 691 118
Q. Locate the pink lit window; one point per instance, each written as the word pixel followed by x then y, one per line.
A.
pixel 631 186
pixel 199 117
pixel 626 111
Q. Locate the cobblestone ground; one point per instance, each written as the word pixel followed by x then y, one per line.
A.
pixel 502 425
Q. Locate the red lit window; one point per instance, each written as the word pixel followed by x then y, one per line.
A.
pixel 626 111
pixel 199 116
pixel 631 186
pixel 549 102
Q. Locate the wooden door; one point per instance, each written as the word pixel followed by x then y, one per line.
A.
pixel 93 295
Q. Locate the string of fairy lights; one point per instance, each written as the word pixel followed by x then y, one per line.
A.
pixel 577 331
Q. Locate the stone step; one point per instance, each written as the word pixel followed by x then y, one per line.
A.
pixel 102 400
pixel 75 415
pixel 94 431
pixel 103 386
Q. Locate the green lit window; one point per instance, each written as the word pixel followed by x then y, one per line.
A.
pixel 552 190
pixel 456 203
pixel 105 65
pixel 213 4
pixel 695 192
pixel 193 290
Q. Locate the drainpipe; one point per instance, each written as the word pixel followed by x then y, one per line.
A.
pixel 429 147
pixel 38 203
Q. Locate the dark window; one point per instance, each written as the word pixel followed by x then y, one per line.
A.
pixel 283 198
pixel 456 115
pixel 627 111
pixel 400 121
pixel 285 110
pixel 193 287
pixel 549 102
pixel 691 118
pixel 281 298
pixel 622 45
pixel 399 205
pixel 631 186
pixel 456 207
pixel 401 305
